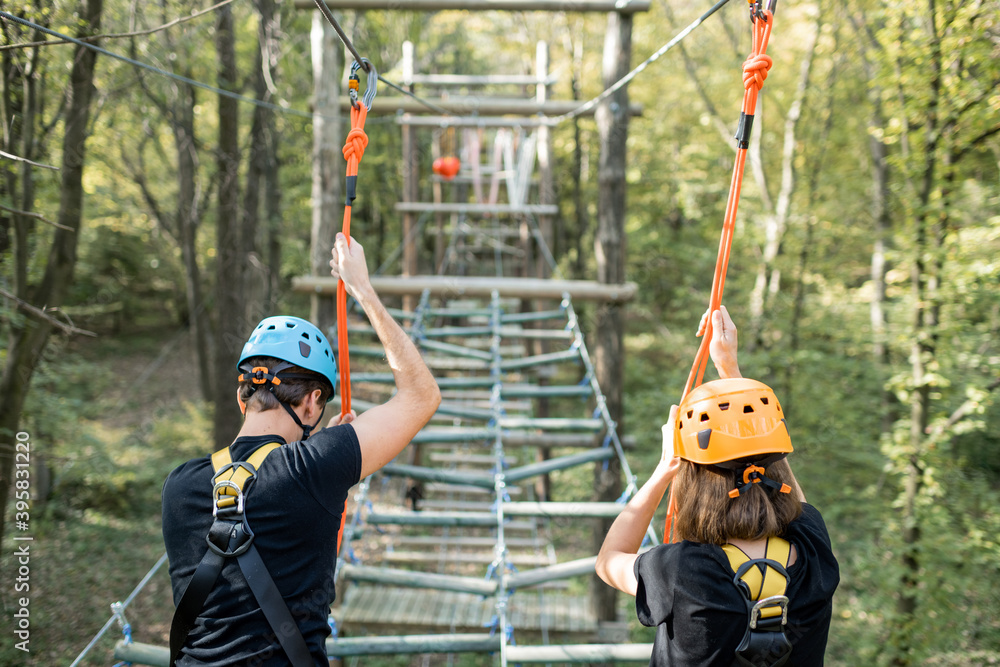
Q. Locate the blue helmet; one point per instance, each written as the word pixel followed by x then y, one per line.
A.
pixel 295 341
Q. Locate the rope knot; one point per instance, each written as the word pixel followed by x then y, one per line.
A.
pixel 755 70
pixel 355 145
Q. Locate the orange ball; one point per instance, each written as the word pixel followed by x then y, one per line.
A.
pixel 447 167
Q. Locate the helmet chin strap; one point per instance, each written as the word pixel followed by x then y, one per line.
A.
pixel 306 428
pixel 270 378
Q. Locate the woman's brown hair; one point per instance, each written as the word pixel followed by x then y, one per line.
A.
pixel 291 390
pixel 706 513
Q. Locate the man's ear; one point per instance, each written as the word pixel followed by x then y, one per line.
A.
pixel 312 401
pixel 243 406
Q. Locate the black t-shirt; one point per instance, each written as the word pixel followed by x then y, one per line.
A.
pixel 294 507
pixel 686 591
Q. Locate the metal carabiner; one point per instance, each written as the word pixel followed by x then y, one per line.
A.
pixel 779 601
pixel 354 83
pixel 758 11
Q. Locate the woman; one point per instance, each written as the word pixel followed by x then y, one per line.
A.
pixel 739 507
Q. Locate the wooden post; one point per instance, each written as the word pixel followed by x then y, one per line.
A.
pixel 546 187
pixel 546 196
pixel 609 362
pixel 438 196
pixel 327 161
pixel 410 174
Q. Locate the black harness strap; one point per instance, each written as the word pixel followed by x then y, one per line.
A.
pixel 193 601
pixel 230 537
pixel 763 582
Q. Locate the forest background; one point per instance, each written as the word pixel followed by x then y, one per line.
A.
pixel 864 275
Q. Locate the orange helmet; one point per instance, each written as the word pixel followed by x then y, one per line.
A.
pixel 730 419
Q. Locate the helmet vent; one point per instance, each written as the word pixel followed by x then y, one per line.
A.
pixel 690 413
pixel 724 406
pixel 763 399
pixel 704 416
pixel 271 328
pixel 747 408
pixel 290 325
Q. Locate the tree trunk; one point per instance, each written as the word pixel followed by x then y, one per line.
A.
pixel 579 204
pixel 231 325
pixel 188 222
pixel 328 166
pixel 805 252
pixel 29 341
pixel 25 104
pixel 924 284
pixel 178 108
pixel 609 353
pixel 882 217
pixel 768 282
pixel 262 165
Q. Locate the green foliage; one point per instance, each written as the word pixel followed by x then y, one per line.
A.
pixel 114 437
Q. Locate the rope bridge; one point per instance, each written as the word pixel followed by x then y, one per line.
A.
pixel 470 566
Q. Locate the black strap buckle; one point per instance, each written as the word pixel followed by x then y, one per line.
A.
pixel 229 539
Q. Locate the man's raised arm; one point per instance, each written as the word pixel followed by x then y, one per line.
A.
pixel 386 429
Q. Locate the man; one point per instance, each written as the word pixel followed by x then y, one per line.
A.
pixel 278 516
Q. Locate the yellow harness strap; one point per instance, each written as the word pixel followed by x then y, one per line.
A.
pixel 229 479
pixel 764 584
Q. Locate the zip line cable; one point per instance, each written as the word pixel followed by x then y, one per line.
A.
pixel 365 65
pixel 325 10
pixel 162 72
pixel 622 82
pixel 199 84
pixel 122 35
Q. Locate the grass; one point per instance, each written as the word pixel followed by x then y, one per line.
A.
pixel 119 413
pixel 97 530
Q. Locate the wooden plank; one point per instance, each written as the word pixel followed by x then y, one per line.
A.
pixel 462 505
pixel 549 573
pixel 456 350
pixel 559 463
pixel 142 654
pixel 438 475
pixel 413 604
pixel 552 423
pixel 436 541
pixel 454 519
pixel 415 557
pixel 343 647
pixel 481 80
pixel 580 653
pixel 472 459
pixel 528 288
pixel 476 209
pixel 434 487
pixel 621 6
pixel 455 434
pixel 588 510
pixel 469 121
pixel 411 579
pixel 375 608
pixel 483 106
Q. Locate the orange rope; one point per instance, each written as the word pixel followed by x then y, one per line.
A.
pixel 755 69
pixel 354 150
